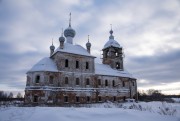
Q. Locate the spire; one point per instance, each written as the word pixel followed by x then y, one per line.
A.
pixel 69 33
pixel 52 47
pixel 111 33
pixel 70 19
pixel 52 41
pixel 62 33
pixel 88 45
pixel 88 38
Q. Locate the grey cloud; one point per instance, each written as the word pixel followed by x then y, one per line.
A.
pixel 163 67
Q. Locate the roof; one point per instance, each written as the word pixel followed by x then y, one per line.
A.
pixel 112 42
pixel 74 49
pixel 45 64
pixel 102 69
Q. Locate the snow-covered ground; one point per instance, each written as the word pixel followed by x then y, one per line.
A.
pixel 104 112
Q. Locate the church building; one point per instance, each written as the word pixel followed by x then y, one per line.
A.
pixel 71 76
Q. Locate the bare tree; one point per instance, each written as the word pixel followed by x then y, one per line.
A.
pixel 19 95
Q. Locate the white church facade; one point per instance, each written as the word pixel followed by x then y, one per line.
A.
pixel 71 76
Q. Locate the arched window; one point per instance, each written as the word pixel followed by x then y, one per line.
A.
pixel 114 98
pixel 37 79
pixel 77 99
pixel 133 83
pixel 116 54
pixel 88 98
pixel 77 81
pixel 35 99
pixel 87 65
pixel 66 80
pixel 123 84
pixel 65 99
pixel 87 81
pixel 66 63
pixel 51 80
pixel 77 64
pixel 117 65
pixel 99 81
pixel 99 98
pixel 106 82
pixel 113 83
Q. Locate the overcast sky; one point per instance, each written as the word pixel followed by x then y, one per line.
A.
pixel 148 30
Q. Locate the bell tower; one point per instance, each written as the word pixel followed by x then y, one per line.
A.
pixel 113 53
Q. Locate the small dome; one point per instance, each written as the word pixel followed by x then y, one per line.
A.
pixel 113 43
pixel 88 44
pixel 52 47
pixel 69 32
pixel 61 39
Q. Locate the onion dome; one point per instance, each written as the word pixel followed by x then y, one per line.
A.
pixel 111 41
pixel 52 47
pixel 88 44
pixel 69 32
pixel 61 39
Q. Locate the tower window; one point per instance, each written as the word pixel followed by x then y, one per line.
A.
pixel 106 83
pixel 117 65
pixel 51 79
pixel 77 64
pixel 66 63
pixel 77 81
pixel 66 80
pixel 77 99
pixel 113 83
pixel 37 79
pixel 66 99
pixel 116 54
pixel 87 81
pixel 99 81
pixel 87 65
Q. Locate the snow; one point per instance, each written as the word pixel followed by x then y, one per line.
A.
pixel 45 64
pixel 176 100
pixel 112 42
pixel 104 112
pixel 74 49
pixel 102 69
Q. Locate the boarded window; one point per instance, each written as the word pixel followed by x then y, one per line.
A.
pixel 106 82
pixel 99 81
pixel 66 63
pixel 87 81
pixel 51 79
pixel 66 99
pixel 87 65
pixel 77 81
pixel 113 83
pixel 66 80
pixel 77 64
pixel 37 80
pixel 77 99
